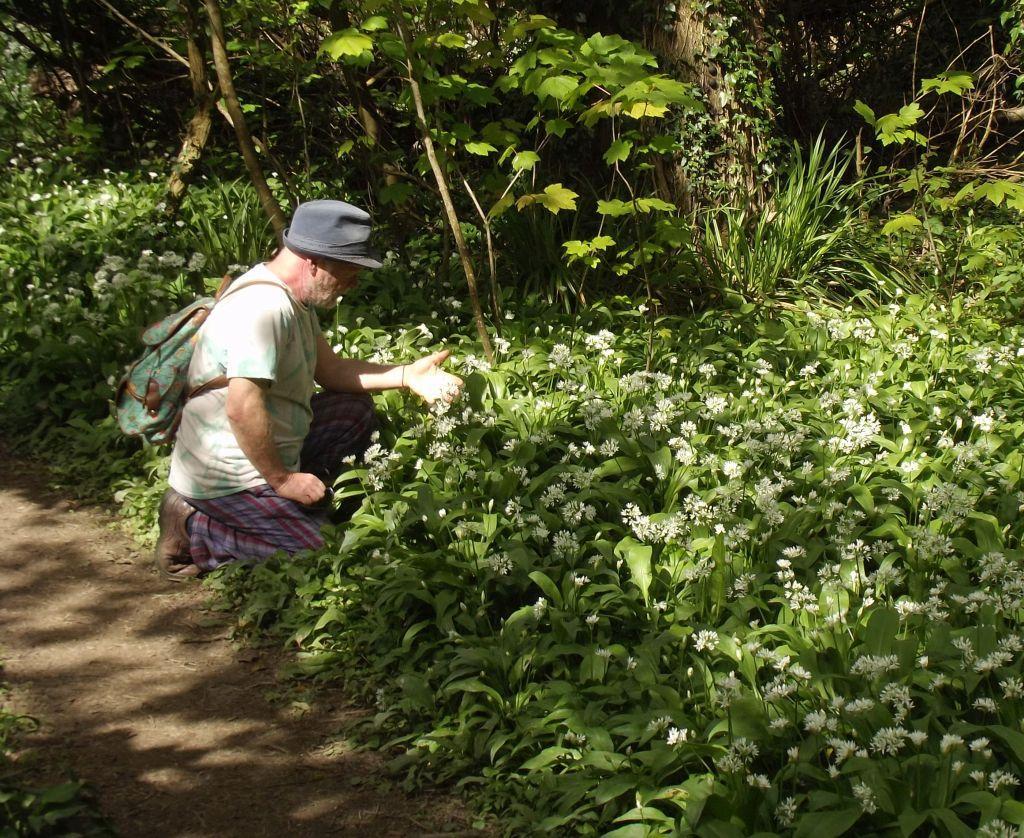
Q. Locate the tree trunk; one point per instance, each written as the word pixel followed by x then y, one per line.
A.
pixel 446 195
pixel 198 131
pixel 685 46
pixel 245 144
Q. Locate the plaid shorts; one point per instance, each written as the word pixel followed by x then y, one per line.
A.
pixel 256 523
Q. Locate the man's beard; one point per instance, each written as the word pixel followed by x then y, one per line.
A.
pixel 323 293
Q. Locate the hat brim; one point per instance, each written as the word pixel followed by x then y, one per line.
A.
pixel 300 246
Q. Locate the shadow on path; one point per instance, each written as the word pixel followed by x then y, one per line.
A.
pixel 142 695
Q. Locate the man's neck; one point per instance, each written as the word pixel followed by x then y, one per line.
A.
pixel 291 270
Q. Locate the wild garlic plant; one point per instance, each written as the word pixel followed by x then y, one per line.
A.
pixel 772 584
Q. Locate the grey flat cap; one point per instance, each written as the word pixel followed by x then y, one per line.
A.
pixel 332 230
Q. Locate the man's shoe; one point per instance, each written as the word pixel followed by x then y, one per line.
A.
pixel 172 557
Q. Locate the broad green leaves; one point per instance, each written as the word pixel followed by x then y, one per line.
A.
pixel 616 207
pixel 348 43
pixel 953 82
pixel 638 559
pixel 554 199
pixel 525 160
pixel 557 87
pixel 618 151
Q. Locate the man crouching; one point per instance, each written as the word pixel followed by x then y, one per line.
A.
pixel 252 461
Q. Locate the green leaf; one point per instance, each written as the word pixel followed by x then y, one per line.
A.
pixel 897 224
pixel 827 824
pixel 479 148
pixel 521 27
pixel 648 204
pixel 881 631
pixel 557 87
pixel 615 207
pixel 550 589
pixel 866 113
pixel 346 42
pixel 950 82
pixel 451 40
pixel 554 198
pixel 556 126
pixel 545 758
pixel 910 820
pixel 617 151
pixel 911 113
pixel 525 160
pixel 862 494
pixel 501 205
pixel 395 193
pixel 638 558
pixel 375 24
pixel 638 110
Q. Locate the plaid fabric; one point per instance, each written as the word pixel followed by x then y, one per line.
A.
pixel 256 523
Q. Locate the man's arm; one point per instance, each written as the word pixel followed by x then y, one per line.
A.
pixel 250 422
pixel 348 375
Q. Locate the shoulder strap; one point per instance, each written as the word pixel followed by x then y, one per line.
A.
pixel 227 286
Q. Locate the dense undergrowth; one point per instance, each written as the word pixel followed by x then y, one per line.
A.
pixel 752 571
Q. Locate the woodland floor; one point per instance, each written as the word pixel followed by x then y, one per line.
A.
pixel 142 693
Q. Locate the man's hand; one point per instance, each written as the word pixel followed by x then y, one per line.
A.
pixel 426 378
pixel 300 487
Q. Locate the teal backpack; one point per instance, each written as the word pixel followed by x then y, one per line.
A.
pixel 153 392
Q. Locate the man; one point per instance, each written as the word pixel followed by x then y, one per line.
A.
pixel 252 461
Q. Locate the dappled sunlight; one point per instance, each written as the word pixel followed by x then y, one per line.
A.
pixel 142 694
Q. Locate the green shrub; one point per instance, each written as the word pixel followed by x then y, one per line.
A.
pixel 811 239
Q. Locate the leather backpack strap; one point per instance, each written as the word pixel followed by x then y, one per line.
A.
pixel 213 384
pixel 225 283
pixel 227 286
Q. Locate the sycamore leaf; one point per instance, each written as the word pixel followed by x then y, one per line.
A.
pixel 911 113
pixel 999 192
pixel 375 23
pixel 346 42
pixel 557 197
pixel 525 160
pixel 558 127
pixel 642 109
pixel 452 40
pixel 482 149
pixel 557 87
pixel 900 223
pixel 865 112
pixel 617 151
pixel 648 204
pixel 554 198
pixel 614 208
pixel 578 248
pixel 345 148
pixel 500 206
pixel 953 82
pixel 521 27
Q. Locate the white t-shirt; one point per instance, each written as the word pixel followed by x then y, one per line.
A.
pixel 257 330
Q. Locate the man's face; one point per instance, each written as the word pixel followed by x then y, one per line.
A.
pixel 330 279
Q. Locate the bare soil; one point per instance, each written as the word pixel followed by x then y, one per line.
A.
pixel 142 693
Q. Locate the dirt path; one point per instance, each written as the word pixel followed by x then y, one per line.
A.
pixel 142 694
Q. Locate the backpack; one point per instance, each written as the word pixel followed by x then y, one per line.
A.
pixel 154 390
